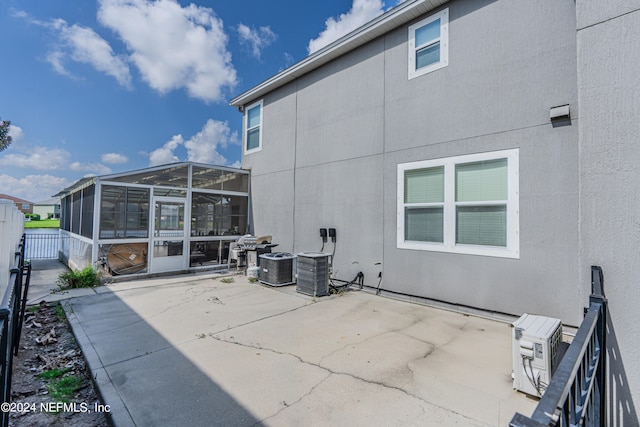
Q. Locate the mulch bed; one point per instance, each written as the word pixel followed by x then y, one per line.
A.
pixel 48 361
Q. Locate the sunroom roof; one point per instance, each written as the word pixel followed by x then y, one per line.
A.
pixel 169 175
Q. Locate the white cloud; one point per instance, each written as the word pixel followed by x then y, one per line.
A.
pixel 34 187
pixel 288 60
pixel 81 44
pixel 56 58
pixel 202 147
pixel 173 46
pixel 165 154
pixel 94 168
pixel 114 158
pixel 16 134
pixel 256 39
pixel 362 11
pixel 42 158
pixel 39 158
pixel 84 45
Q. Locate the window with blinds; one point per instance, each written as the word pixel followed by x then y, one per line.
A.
pixel 481 203
pixel 464 204
pixel 253 128
pixel 428 44
pixel 424 204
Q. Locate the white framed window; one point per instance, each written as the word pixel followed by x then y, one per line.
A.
pixel 465 204
pixel 253 128
pixel 429 44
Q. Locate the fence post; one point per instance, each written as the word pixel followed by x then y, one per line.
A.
pixel 597 296
pixel 11 318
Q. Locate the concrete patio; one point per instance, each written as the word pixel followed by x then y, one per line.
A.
pixel 193 350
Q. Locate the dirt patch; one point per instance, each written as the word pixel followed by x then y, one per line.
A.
pixel 51 384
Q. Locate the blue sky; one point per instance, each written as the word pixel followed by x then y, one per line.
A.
pixel 106 86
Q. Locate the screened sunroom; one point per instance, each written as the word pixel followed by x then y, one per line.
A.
pixel 174 217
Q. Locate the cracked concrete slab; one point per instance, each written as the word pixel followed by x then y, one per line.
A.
pixel 204 352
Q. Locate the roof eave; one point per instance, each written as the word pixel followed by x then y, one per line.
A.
pixel 375 28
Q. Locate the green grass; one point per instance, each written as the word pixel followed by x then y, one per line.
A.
pixel 85 278
pixel 44 223
pixel 53 373
pixel 65 387
pixel 60 314
pixel 61 386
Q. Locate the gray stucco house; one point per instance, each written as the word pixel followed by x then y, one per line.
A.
pixel 479 153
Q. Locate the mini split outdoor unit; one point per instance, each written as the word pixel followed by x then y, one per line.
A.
pixel 277 269
pixel 536 341
pixel 313 273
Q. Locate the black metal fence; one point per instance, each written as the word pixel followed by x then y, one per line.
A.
pixel 41 245
pixel 577 395
pixel 11 317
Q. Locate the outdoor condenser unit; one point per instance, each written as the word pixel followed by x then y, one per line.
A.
pixel 277 269
pixel 313 273
pixel 536 341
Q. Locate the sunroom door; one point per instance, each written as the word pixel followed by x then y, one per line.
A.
pixel 168 243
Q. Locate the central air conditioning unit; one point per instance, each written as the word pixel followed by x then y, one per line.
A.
pixel 313 273
pixel 536 341
pixel 277 269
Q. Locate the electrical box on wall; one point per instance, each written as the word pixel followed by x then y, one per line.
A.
pixel 536 341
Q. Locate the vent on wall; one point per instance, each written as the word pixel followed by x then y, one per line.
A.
pixel 313 273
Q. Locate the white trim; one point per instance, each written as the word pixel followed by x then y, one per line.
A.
pixel 443 16
pixel 512 250
pixel 163 264
pixel 76 236
pixel 245 129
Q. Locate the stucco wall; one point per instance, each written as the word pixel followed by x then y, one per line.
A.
pixel 342 130
pixel 609 86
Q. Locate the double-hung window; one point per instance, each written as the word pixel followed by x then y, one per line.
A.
pixel 429 44
pixel 465 204
pixel 253 128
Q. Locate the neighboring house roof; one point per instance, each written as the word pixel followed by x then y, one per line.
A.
pixel 14 199
pixel 393 18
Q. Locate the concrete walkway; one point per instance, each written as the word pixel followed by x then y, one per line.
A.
pixel 43 284
pixel 193 350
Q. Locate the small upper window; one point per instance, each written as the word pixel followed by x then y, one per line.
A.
pixel 429 44
pixel 253 128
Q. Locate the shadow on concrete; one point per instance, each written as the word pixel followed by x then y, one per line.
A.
pixel 143 377
pixel 621 411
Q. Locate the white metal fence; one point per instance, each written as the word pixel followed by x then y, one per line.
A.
pixel 11 230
